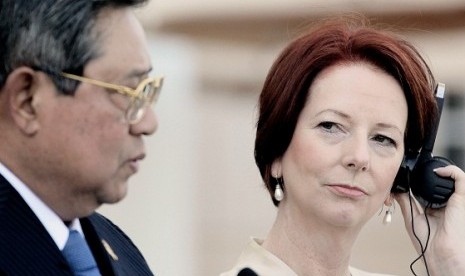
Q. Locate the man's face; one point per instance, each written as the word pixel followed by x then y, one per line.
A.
pixel 86 148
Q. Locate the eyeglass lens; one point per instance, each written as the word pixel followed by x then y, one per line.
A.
pixel 137 107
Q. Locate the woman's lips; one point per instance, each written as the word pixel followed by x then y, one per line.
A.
pixel 347 191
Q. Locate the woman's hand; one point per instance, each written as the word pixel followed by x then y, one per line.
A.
pixel 445 253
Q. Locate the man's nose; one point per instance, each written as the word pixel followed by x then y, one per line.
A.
pixel 147 125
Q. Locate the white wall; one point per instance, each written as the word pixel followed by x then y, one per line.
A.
pixel 159 211
pixel 198 196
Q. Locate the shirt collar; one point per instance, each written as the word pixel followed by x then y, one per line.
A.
pixel 49 219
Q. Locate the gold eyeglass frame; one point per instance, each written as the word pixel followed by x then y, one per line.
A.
pixel 157 83
pixel 135 93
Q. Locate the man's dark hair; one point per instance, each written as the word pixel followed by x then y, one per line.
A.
pixel 56 35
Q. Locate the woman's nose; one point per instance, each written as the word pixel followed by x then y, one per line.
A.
pixel 356 154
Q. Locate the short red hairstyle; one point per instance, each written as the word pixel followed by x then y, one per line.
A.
pixel 338 41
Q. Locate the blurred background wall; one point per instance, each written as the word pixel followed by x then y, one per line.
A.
pixel 199 197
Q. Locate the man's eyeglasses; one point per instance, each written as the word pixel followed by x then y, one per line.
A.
pixel 145 94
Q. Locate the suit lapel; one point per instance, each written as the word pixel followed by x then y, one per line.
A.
pixel 23 238
pixel 98 249
pixel 26 248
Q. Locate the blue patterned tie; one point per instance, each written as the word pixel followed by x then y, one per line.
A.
pixel 79 256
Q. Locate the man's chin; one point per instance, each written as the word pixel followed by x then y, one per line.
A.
pixel 114 196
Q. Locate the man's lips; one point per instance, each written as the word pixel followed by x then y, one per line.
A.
pixel 134 162
pixel 347 190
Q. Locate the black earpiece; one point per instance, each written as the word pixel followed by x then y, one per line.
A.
pixel 416 171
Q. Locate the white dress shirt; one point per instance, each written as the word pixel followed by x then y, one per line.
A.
pixel 49 219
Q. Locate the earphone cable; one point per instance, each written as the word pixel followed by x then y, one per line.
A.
pixel 427 238
pixel 423 249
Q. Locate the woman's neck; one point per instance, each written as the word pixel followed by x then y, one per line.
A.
pixel 311 247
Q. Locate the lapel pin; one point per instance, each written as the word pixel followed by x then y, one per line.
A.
pixel 109 250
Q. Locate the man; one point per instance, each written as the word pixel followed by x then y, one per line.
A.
pixel 74 96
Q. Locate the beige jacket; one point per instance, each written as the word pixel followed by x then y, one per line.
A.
pixel 264 263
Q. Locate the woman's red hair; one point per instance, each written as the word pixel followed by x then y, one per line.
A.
pixel 338 41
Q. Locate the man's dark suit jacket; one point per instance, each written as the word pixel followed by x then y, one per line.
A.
pixel 26 248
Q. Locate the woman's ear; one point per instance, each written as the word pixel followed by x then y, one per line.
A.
pixel 276 168
pixel 388 201
pixel 20 92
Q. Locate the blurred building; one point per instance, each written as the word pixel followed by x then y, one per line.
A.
pixel 199 196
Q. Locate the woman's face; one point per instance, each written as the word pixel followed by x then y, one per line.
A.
pixel 346 148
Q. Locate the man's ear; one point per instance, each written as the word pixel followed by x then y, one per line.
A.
pixel 20 92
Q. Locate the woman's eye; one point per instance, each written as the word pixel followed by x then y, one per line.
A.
pixel 384 140
pixel 328 126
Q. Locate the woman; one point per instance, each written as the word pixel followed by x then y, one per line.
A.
pixel 338 110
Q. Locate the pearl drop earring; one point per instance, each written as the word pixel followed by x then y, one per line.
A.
pixel 388 215
pixel 278 191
